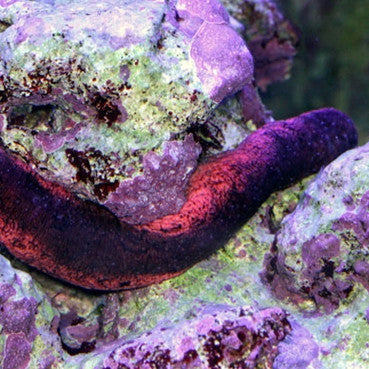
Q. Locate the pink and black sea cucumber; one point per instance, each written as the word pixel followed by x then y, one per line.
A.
pixel 83 243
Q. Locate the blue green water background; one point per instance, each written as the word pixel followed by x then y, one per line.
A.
pixel 332 64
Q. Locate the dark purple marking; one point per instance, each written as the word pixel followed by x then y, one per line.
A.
pixel 323 281
pixel 324 286
pixel 357 221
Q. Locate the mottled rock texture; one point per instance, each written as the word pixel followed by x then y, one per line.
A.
pixel 321 252
pixel 271 38
pixel 298 350
pixel 159 190
pixel 219 337
pixel 25 322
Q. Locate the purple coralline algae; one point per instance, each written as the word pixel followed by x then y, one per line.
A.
pixel 223 61
pixel 321 250
pixel 270 37
pixel 159 190
pixel 219 337
pixel 24 322
pixel 298 350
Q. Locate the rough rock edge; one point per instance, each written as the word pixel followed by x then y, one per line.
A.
pixel 219 337
pixel 28 336
pixel 324 263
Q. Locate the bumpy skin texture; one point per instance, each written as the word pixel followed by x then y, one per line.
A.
pixel 83 243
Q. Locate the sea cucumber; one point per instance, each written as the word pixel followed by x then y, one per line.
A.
pixel 83 243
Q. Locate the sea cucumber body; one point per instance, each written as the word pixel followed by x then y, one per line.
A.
pixel 83 243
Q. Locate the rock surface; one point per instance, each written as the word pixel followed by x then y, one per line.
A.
pixel 321 251
pixel 215 337
pixel 271 38
pixel 28 322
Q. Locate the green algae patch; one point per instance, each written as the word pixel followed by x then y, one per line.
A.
pixel 344 335
pixel 26 313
